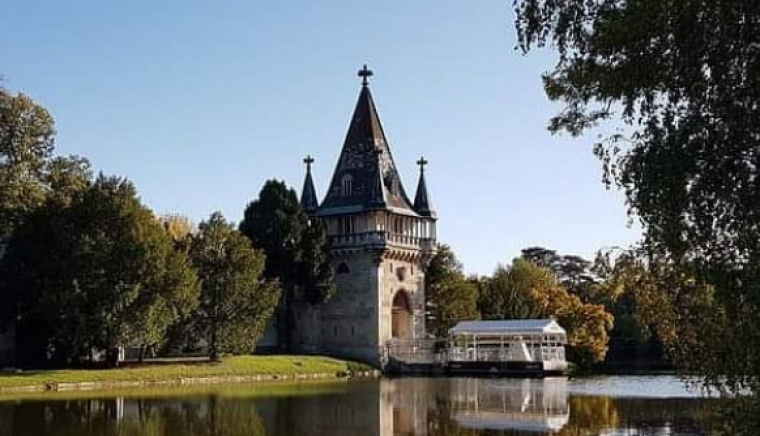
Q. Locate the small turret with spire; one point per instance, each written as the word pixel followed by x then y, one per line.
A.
pixel 422 203
pixel 309 200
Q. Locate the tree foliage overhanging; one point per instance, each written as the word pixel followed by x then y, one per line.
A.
pixel 679 80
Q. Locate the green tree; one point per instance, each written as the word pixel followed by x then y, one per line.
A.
pixel 296 248
pixel 679 77
pixel 317 274
pixel 574 272
pixel 236 299
pixel 526 290
pixel 95 274
pixel 450 297
pixel 27 136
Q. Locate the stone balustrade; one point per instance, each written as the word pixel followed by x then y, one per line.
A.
pixel 381 239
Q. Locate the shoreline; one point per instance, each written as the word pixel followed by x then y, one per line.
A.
pixel 236 370
pixel 192 381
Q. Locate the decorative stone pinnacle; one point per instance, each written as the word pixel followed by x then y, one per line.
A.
pixel 365 73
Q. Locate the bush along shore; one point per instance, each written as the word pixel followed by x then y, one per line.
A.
pixel 239 369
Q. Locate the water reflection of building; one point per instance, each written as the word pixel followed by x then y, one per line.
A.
pixel 410 406
pixel 535 405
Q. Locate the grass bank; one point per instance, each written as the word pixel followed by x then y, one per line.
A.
pixel 234 369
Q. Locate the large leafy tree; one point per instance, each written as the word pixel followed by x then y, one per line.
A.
pixel 236 298
pixel 296 248
pixel 525 290
pixel 679 80
pixel 450 296
pixel 29 172
pixel 94 273
pixel 27 135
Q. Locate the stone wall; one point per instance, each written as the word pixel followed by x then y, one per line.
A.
pixel 401 276
pixel 347 325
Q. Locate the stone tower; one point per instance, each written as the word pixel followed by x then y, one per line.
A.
pixel 381 244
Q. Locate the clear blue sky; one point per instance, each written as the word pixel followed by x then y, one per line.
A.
pixel 199 102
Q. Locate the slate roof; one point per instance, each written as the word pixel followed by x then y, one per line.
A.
pixel 367 160
pixel 518 326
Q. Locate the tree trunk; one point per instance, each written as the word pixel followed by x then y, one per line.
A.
pixel 284 324
pixel 214 345
pixel 112 357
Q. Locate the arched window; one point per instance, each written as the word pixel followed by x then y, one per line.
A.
pixel 343 269
pixel 346 185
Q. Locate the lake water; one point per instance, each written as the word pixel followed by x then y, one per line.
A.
pixel 610 406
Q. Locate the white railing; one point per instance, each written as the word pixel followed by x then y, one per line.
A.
pixel 471 354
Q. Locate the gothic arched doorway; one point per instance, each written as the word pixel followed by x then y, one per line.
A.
pixel 401 316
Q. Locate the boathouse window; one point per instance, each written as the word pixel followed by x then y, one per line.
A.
pixel 335 331
pixel 343 268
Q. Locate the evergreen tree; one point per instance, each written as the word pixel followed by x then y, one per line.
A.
pixel 237 300
pixel 296 248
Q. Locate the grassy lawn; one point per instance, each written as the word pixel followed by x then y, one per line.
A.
pixel 233 366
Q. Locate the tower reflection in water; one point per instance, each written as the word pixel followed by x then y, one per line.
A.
pixel 422 406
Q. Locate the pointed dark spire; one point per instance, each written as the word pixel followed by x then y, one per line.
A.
pixel 422 203
pixel 364 146
pixel 309 193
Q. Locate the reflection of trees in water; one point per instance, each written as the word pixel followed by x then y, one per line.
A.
pixel 590 416
pixel 688 416
pixel 115 417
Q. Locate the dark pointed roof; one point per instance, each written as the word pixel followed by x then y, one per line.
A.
pixel 422 203
pixel 309 200
pixel 366 162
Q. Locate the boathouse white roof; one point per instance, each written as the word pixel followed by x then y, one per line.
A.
pixel 508 326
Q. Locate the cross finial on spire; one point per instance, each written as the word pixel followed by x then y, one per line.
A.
pixel 308 160
pixel 365 73
pixel 422 162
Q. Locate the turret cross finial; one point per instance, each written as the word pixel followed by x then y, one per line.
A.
pixel 308 161
pixel 422 162
pixel 365 73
